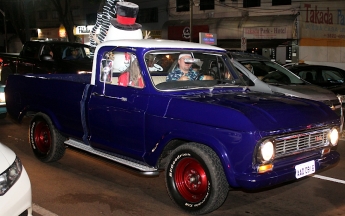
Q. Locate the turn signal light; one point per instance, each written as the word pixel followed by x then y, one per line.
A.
pixel 265 168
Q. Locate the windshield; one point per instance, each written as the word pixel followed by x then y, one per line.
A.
pixel 180 69
pixel 271 73
pixel 68 51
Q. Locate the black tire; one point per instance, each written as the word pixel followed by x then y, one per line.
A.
pixel 5 72
pixel 195 179
pixel 46 142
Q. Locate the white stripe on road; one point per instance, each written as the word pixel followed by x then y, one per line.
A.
pixel 329 179
pixel 38 209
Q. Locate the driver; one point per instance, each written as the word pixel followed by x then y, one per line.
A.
pixel 184 70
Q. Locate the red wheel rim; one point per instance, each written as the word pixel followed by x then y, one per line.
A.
pixel 191 180
pixel 42 137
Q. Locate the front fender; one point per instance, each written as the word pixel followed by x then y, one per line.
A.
pixel 152 157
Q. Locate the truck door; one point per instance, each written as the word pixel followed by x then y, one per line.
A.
pixel 117 105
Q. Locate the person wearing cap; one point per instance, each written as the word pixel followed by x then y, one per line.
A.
pixel 184 71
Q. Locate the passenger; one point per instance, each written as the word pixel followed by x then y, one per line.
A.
pixel 133 76
pixel 184 70
pixel 74 54
pixel 249 67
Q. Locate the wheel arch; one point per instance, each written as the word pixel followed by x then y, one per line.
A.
pixel 32 111
pixel 177 138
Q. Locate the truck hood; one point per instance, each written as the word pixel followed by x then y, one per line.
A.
pixel 7 157
pixel 250 111
pixel 311 92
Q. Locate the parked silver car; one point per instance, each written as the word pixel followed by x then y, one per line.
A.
pixel 266 76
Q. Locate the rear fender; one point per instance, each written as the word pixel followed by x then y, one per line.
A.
pixel 33 110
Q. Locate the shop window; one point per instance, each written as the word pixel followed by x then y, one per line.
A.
pixel 206 4
pixel 281 2
pixel 251 3
pixel 182 5
pixel 42 14
pixel 148 15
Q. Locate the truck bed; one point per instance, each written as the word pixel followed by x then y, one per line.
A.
pixel 58 94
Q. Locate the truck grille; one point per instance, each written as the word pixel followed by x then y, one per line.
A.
pixel 299 142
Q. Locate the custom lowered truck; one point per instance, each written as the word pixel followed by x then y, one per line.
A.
pixel 208 133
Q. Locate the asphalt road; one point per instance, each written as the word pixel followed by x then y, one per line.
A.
pixel 85 185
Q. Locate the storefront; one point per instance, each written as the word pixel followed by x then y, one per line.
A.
pixel 322 33
pixel 263 34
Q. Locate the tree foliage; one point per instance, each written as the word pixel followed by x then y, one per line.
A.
pixel 21 14
pixel 64 10
pixel 14 11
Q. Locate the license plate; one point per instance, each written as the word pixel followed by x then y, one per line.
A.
pixel 305 169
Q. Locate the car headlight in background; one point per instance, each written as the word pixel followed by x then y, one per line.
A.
pixel 84 72
pixel 10 176
pixel 341 98
pixel 333 136
pixel 2 97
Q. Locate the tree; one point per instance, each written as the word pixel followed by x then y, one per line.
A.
pixel 14 11
pixel 64 10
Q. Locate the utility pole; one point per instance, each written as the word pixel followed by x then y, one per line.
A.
pixel 3 13
pixel 191 20
pixel 27 26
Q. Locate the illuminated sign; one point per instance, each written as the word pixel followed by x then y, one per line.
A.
pixel 208 38
pixel 85 30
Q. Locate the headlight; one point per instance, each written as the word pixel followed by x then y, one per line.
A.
pixel 10 176
pixel 266 151
pixel 2 97
pixel 333 136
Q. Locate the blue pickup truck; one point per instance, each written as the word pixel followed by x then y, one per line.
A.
pixel 145 108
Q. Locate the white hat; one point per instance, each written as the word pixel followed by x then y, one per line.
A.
pixel 184 54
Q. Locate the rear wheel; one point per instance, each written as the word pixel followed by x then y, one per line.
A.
pixel 46 142
pixel 195 179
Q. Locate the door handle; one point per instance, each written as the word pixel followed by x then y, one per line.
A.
pixel 106 96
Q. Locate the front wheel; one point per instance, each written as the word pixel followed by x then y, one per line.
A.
pixel 195 179
pixel 46 142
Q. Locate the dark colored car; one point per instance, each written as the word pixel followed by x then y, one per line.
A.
pixel 328 77
pixel 47 57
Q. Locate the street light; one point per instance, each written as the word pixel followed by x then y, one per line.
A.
pixel 3 13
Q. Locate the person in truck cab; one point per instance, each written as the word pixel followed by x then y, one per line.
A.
pixel 74 54
pixel 184 70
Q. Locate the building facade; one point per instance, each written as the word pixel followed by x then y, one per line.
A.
pixel 285 30
pixel 152 15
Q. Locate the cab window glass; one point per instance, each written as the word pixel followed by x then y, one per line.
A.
pixel 122 69
pixel 332 76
